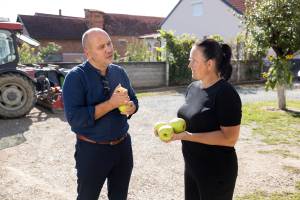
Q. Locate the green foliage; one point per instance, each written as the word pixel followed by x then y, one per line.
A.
pixel 216 37
pixel 117 56
pixel 51 48
pixel 137 51
pixel 273 24
pixel 28 54
pixel 160 51
pixel 279 72
pixel 178 49
pixel 243 48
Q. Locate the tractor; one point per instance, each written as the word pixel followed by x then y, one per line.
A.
pixel 22 86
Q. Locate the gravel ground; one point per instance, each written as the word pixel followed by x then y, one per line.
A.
pixel 42 165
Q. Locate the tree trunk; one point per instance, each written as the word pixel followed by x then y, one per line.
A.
pixel 281 97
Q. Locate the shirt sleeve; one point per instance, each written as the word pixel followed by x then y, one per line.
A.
pixel 131 93
pixel 77 113
pixel 228 107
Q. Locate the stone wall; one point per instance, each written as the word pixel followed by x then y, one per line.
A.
pixel 154 74
pixel 246 71
pixel 141 74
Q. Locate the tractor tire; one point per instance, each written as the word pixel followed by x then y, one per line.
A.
pixel 17 95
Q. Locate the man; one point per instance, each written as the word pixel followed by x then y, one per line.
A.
pixel 92 95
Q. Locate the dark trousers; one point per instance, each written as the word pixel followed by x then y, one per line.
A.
pixel 210 173
pixel 97 162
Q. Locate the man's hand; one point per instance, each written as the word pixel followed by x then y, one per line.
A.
pixel 119 98
pixel 130 108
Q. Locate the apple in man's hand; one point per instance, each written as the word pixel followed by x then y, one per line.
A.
pixel 122 108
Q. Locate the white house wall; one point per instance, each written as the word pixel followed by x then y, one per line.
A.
pixel 217 18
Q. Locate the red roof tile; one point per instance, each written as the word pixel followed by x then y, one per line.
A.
pixel 238 5
pixel 130 25
pixel 45 26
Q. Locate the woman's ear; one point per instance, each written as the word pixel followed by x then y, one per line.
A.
pixel 211 64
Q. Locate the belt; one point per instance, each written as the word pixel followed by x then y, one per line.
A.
pixel 111 142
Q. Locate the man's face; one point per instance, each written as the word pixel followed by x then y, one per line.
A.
pixel 99 49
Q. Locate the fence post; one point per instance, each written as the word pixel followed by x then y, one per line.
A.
pixel 238 63
pixel 167 73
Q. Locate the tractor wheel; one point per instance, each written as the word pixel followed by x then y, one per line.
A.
pixel 17 95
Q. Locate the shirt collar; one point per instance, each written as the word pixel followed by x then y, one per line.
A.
pixel 90 66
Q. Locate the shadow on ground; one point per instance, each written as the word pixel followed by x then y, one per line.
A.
pixel 12 130
pixel 293 113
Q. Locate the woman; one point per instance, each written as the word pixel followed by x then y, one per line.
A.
pixel 212 111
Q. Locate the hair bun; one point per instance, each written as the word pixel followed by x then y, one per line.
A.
pixel 226 52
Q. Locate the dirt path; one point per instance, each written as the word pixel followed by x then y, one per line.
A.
pixel 42 166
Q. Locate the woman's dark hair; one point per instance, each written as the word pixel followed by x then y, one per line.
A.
pixel 219 52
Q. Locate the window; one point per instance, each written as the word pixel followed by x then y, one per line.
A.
pixel 7 49
pixel 197 8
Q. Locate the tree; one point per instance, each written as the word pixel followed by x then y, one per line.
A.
pixel 137 51
pixel 178 52
pixel 216 37
pixel 28 54
pixel 274 24
pixel 50 49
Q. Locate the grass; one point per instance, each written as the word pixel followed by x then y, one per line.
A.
pixel 152 93
pixel 293 170
pixel 143 94
pixel 282 152
pixel 259 195
pixel 274 196
pixel 274 126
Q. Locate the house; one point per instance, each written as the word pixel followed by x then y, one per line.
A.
pixel 67 31
pixel 202 18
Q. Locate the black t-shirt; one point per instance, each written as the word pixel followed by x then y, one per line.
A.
pixel 207 109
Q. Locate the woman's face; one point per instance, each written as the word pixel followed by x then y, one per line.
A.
pixel 198 64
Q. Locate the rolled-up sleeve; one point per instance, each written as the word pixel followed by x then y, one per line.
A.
pixel 77 112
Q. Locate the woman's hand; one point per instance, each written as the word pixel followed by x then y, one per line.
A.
pixel 179 136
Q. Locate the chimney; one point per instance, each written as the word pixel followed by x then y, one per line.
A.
pixel 59 12
pixel 94 18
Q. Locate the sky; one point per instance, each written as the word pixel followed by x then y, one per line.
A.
pixel 159 8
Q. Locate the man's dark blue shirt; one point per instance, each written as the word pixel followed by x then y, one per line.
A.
pixel 83 89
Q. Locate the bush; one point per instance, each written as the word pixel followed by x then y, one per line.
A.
pixel 177 54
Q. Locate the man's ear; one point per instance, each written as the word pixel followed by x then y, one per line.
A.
pixel 86 52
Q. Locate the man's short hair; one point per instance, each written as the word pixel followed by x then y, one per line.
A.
pixel 86 35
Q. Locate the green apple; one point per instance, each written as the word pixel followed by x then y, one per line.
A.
pixel 178 125
pixel 122 108
pixel 165 132
pixel 157 125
